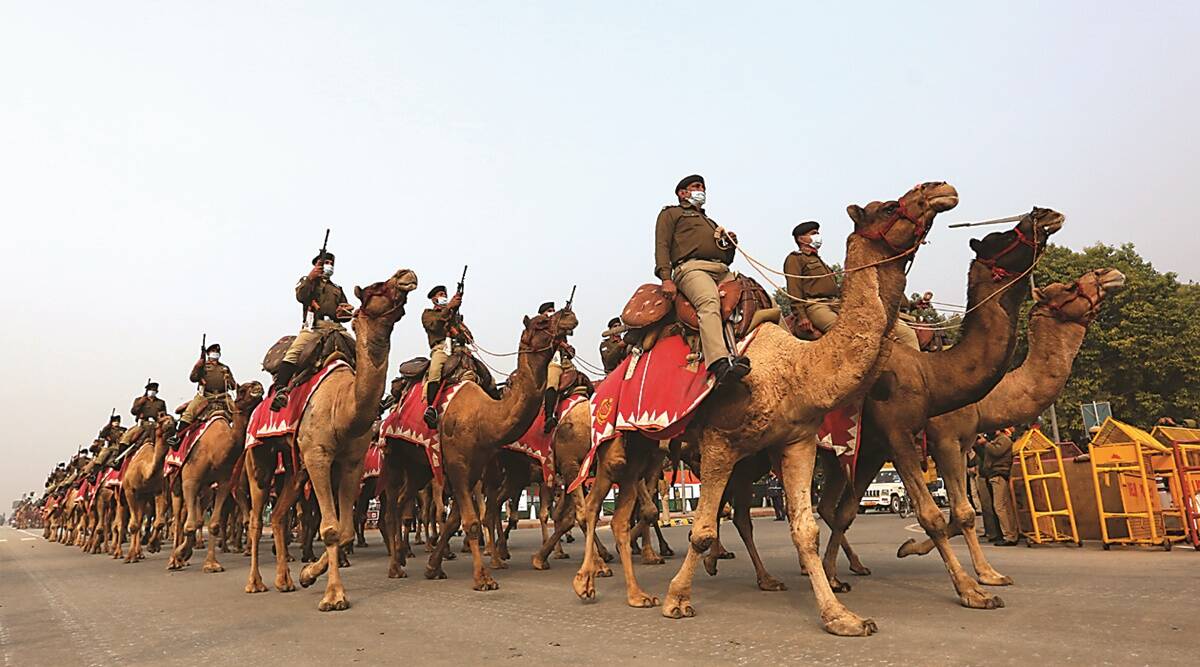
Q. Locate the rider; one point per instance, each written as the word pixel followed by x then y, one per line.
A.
pixel 811 281
pixel 146 410
pixel 693 252
pixel 325 308
pixel 447 334
pixel 559 363
pixel 613 348
pixel 111 435
pixel 215 380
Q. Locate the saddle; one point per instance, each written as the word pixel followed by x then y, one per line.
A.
pixel 744 305
pixel 332 344
pixel 574 382
pixel 459 367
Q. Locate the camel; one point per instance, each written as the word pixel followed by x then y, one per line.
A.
pixel 914 386
pixel 475 426
pixel 142 485
pixel 211 461
pixel 510 473
pixel 1058 322
pixel 333 435
pixel 781 403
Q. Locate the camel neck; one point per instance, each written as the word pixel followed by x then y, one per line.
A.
pixel 160 453
pixel 516 410
pixel 968 371
pixel 1028 390
pixel 372 346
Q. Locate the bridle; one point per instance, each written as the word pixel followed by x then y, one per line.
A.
pixel 1055 310
pixel 900 214
pixel 525 346
pixel 999 272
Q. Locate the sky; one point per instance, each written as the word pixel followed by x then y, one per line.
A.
pixel 167 170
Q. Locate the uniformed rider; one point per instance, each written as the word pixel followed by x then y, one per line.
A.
pixel 447 334
pixel 561 362
pixel 692 254
pixel 215 381
pixel 146 410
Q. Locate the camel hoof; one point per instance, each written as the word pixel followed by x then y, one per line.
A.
pixel 995 579
pixel 487 584
pixel 540 563
pixel 642 601
pixel 561 555
pixel 606 556
pixel 285 585
pixel 861 570
pixel 307 577
pixel 769 583
pixel 431 573
pixel 710 565
pixel 839 586
pixel 666 552
pixel 337 603
pixel 906 549
pixel 256 587
pixel 397 572
pixel 656 560
pixel 851 625
pixel 450 555
pixel 604 571
pixel 727 555
pixel 980 600
pixel 499 565
pixel 585 586
pixel 678 608
pixel 360 544
pixel 213 567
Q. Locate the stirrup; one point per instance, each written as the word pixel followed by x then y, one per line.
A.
pixel 551 422
pixel 431 417
pixel 280 401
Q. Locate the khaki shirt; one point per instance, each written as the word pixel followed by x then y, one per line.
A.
pixel 145 407
pixel 214 377
pixel 802 264
pixel 436 322
pixel 685 232
pixel 997 457
pixel 320 296
pixel 111 433
pixel 612 352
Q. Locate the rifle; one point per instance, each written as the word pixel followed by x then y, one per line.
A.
pixel 456 326
pixel 463 280
pixel 304 307
pixel 572 299
pixel 203 352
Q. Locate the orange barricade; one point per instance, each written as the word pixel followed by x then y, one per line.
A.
pixel 1185 445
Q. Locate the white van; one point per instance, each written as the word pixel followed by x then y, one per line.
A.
pixel 884 493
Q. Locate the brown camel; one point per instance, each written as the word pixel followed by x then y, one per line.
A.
pixel 211 461
pixel 475 426
pixel 914 386
pixel 1058 322
pixel 791 386
pixel 143 485
pixel 333 436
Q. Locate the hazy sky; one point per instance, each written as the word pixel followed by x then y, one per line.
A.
pixel 168 169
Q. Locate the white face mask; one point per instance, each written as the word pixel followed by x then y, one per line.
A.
pixel 697 197
pixel 815 241
pixel 442 300
pixel 152 393
pixel 213 356
pixel 327 269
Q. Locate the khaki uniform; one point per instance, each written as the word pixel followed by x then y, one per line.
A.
pixel 821 295
pixel 612 352
pixel 560 363
pixel 216 381
pixel 998 463
pixel 445 335
pixel 322 298
pixel 686 251
pixel 111 434
pixel 145 410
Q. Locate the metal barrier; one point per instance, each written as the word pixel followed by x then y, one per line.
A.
pixel 1137 488
pixel 1185 446
pixel 1041 492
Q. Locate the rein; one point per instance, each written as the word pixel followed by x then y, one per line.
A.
pixel 1000 273
pixel 1056 310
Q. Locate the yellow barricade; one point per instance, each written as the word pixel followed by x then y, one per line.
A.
pixel 1137 487
pixel 1185 445
pixel 1041 492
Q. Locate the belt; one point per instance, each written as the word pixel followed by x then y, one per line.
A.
pixel 824 299
pixel 677 263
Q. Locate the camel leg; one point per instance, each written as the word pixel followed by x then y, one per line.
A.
pixel 392 521
pixel 798 461
pixel 160 523
pixel 870 460
pixel 588 516
pixel 564 520
pixel 491 521
pixel 258 500
pixel 471 525
pixel 320 466
pixel 284 502
pixel 545 500
pixel 949 459
pixel 742 493
pixel 647 516
pixel 186 543
pixel 135 527
pixel 908 464
pixel 122 520
pixel 433 569
pixel 627 497
pixel 214 526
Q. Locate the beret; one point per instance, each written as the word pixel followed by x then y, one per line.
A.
pixel 805 228
pixel 688 180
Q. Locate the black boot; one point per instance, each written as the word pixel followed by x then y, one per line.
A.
pixel 550 407
pixel 177 436
pixel 282 377
pixel 431 413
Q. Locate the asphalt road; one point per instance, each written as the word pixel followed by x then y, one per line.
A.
pixel 1069 606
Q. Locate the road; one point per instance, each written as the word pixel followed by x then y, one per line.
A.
pixel 1069 606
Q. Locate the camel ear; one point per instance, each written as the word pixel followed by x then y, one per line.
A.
pixel 976 245
pixel 856 213
pixel 1038 295
pixel 358 292
pixel 525 321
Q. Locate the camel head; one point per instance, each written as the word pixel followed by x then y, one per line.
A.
pixel 165 424
pixel 1014 251
pixel 545 331
pixel 1077 302
pixel 384 301
pixel 249 395
pixel 902 224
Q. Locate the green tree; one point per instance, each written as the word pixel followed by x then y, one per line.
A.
pixel 1143 352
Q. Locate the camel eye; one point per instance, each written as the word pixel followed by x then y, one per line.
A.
pixel 891 208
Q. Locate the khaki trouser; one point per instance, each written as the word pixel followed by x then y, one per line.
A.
pixel 697 279
pixel 198 402
pixel 991 530
pixel 107 453
pixel 320 326
pixel 134 434
pixel 1006 513
pixel 437 361
pixel 823 315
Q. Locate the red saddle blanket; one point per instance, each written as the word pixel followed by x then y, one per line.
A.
pixel 373 461
pixel 176 457
pixel 266 424
pixel 539 445
pixel 406 422
pixel 655 393
pixel 841 433
pixel 112 477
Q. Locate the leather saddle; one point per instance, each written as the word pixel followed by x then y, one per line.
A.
pixel 741 299
pixel 574 382
pixel 461 365
pixel 320 351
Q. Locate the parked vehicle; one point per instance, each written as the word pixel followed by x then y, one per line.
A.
pixel 937 488
pixel 884 493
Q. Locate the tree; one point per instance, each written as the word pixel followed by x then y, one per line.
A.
pixel 1143 352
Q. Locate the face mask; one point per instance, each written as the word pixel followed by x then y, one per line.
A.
pixel 697 197
pixel 152 393
pixel 327 270
pixel 815 241
pixel 213 356
pixel 442 300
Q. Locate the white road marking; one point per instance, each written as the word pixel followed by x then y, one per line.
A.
pixel 3 540
pixel 28 539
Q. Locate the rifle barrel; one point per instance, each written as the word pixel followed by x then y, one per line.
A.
pixel 997 221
